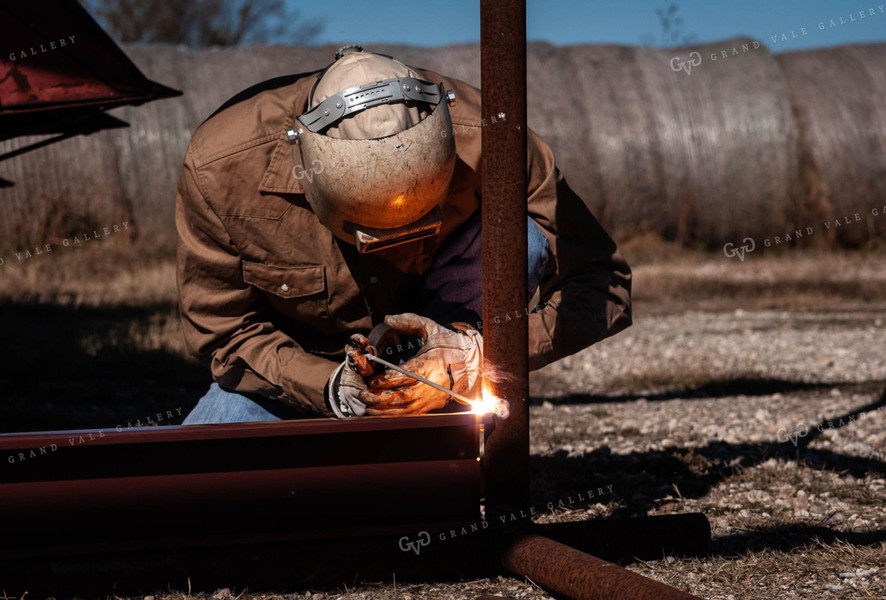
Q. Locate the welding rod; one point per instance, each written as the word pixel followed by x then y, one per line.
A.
pixel 457 396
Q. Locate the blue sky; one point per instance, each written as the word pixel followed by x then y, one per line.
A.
pixel 564 22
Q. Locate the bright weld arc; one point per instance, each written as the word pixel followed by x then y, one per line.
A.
pixel 488 403
pixel 485 405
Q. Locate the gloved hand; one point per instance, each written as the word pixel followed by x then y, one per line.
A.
pixel 451 358
pixel 345 384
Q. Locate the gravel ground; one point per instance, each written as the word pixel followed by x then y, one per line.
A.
pixel 767 413
pixel 661 354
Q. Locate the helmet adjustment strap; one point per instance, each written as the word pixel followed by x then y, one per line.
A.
pixel 358 98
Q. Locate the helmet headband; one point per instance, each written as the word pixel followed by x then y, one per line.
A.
pixel 358 98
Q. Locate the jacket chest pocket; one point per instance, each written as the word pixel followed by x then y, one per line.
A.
pixel 298 292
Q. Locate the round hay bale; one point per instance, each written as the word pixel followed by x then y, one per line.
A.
pixel 607 114
pixel 838 98
pixel 700 154
pixel 734 133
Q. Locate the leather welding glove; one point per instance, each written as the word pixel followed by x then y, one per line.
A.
pixel 452 358
pixel 345 385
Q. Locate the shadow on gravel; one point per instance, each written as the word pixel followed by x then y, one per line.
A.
pixel 844 420
pixel 89 368
pixel 644 480
pixel 787 538
pixel 744 386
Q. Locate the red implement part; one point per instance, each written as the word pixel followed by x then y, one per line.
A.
pixel 55 59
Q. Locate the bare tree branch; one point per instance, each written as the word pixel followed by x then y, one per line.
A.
pixel 671 29
pixel 204 23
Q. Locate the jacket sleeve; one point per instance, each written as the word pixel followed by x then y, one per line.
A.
pixel 587 297
pixel 226 322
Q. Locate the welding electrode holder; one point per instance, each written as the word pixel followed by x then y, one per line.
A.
pixel 380 339
pixel 356 350
pixel 364 355
pixel 385 342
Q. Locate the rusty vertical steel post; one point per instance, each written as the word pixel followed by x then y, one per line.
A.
pixel 506 368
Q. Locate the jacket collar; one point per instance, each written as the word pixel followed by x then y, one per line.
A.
pixel 278 177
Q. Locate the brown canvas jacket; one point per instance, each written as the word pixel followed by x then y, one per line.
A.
pixel 269 296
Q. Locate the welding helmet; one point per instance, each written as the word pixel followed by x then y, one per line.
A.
pixel 374 151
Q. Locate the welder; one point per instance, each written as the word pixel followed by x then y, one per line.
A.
pixel 315 207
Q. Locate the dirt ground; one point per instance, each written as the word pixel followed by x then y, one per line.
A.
pixel 754 392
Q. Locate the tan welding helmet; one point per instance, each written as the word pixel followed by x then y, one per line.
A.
pixel 375 151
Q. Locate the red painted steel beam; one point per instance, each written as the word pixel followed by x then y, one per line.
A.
pixel 93 491
pixel 506 368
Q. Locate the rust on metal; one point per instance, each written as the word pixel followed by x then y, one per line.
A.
pixel 503 206
pixel 579 576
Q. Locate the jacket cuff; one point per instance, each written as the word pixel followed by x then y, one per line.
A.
pixel 304 382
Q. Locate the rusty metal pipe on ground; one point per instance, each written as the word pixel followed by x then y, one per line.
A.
pixel 579 576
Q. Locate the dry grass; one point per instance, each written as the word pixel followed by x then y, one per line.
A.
pixel 669 279
pixel 105 273
pixel 810 571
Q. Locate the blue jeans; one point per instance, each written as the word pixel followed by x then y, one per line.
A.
pixel 221 406
pixel 454 284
